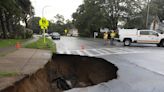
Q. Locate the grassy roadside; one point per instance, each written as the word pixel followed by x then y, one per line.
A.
pixel 49 45
pixel 9 42
pixel 7 74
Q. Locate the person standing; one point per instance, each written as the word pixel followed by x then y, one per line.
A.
pixel 105 38
pixel 112 36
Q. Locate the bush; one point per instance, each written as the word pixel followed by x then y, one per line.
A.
pixel 49 45
pixel 20 32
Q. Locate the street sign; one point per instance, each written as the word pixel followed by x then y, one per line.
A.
pixel 43 23
pixel 66 31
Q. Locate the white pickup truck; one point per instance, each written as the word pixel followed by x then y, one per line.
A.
pixel 129 36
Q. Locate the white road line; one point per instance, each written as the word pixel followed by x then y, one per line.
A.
pixel 95 50
pixel 68 52
pixel 60 52
pixel 80 53
pixel 88 53
pixel 116 50
pixel 104 51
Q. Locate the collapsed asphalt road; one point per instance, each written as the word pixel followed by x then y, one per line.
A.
pixel 140 66
pixel 71 71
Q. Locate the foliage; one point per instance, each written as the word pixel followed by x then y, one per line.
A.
pixel 7 74
pixel 156 8
pixel 96 14
pixel 8 42
pixel 34 25
pixel 89 17
pixel 49 45
pixel 11 13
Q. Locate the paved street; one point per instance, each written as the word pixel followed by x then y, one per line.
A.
pixel 140 66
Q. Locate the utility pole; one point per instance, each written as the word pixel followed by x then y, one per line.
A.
pixel 148 10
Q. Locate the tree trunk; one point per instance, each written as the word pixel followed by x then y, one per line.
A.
pixel 26 22
pixel 3 23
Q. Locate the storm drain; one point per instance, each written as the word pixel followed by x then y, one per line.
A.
pixel 72 71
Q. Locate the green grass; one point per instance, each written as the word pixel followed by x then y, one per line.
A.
pixel 8 74
pixel 49 45
pixel 8 42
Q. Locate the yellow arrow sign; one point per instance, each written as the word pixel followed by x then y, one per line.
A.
pixel 43 23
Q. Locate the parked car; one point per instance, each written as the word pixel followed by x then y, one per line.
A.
pixel 129 36
pixel 47 36
pixel 55 35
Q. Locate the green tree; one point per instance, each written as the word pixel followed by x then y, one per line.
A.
pixel 157 8
pixel 27 10
pixel 33 24
pixel 89 17
pixel 11 13
pixel 122 10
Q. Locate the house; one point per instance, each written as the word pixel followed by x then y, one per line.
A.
pixel 73 32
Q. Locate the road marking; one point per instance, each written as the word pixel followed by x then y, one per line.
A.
pixel 60 52
pixel 68 52
pixel 101 51
pixel 80 53
pixel 95 50
pixel 88 53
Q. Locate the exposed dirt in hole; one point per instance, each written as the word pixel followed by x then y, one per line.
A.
pixel 64 72
pixel 70 71
pixel 37 82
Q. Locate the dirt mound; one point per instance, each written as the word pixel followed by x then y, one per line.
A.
pixel 70 71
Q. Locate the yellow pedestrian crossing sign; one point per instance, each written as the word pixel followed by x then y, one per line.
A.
pixel 43 23
pixel 65 31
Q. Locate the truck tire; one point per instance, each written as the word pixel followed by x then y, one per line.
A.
pixel 162 43
pixel 158 45
pixel 127 42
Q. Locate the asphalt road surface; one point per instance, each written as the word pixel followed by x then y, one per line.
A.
pixel 141 66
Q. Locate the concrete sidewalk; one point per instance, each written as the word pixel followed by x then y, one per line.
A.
pixel 24 62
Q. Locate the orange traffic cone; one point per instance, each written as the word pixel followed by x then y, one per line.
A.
pixel 82 47
pixel 17 45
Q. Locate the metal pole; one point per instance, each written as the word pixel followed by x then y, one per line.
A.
pixel 43 9
pixel 44 36
pixel 148 10
pixel 42 17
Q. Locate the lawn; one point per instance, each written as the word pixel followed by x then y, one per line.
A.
pixel 49 45
pixel 9 42
pixel 7 74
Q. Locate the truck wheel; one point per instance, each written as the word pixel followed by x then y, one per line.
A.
pixel 158 45
pixel 127 42
pixel 162 43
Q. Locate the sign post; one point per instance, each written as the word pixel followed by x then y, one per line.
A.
pixel 43 23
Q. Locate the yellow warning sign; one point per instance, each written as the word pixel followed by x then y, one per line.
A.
pixel 66 31
pixel 43 23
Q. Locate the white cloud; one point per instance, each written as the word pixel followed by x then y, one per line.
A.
pixel 63 7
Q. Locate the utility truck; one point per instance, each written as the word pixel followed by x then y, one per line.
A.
pixel 128 36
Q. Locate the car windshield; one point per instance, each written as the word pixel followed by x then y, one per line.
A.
pixel 81 46
pixel 56 34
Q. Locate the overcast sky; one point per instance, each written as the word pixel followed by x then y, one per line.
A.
pixel 53 7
